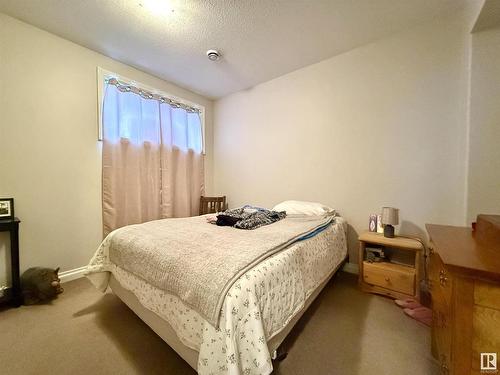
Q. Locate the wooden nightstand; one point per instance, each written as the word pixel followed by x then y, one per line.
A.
pixel 394 280
pixel 13 294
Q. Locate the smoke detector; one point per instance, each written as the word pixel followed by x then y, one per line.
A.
pixel 213 55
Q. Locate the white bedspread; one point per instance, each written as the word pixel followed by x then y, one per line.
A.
pixel 257 307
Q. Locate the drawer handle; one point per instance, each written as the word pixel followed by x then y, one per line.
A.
pixel 387 279
pixel 442 278
pixel 444 366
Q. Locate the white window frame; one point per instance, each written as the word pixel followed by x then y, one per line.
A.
pixel 103 75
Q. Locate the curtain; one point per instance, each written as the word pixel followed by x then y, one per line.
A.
pixel 152 160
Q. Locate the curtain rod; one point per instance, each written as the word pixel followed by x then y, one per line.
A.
pixel 123 87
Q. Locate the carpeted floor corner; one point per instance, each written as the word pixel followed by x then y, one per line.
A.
pixel 345 332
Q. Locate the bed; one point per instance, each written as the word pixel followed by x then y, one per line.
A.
pixel 260 303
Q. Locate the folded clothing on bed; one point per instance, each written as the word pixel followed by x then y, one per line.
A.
pixel 248 217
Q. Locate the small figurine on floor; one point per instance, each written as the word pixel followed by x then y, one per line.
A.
pixel 40 284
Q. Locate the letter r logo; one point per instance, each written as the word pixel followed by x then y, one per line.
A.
pixel 488 361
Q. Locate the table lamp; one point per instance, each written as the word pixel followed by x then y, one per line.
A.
pixel 390 217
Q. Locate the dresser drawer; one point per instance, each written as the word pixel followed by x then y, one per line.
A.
pixel 487 294
pixel 440 280
pixel 391 276
pixel 486 334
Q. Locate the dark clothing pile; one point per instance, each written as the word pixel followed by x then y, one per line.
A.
pixel 248 217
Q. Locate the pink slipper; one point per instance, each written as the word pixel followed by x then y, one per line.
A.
pixel 421 314
pixel 407 303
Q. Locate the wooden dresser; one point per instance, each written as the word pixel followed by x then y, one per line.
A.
pixel 464 281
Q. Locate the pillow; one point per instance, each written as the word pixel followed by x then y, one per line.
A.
pixel 304 208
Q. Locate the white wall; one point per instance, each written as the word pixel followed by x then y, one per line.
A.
pixel 384 124
pixel 484 151
pixel 50 158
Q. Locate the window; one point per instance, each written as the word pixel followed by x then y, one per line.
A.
pixel 146 113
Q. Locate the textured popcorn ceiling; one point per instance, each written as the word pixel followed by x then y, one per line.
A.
pixel 489 17
pixel 259 39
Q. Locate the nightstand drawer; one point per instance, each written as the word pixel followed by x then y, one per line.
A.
pixel 391 276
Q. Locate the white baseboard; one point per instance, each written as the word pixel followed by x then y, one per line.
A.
pixel 351 268
pixel 71 274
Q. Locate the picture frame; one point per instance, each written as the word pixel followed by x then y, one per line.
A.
pixel 380 226
pixel 6 208
pixel 372 224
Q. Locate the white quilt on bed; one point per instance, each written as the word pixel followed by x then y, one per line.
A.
pixel 257 307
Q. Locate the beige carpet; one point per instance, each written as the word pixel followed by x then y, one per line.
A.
pixel 84 332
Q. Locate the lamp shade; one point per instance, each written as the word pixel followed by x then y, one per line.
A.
pixel 390 215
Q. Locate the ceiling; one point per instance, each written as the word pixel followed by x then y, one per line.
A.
pixel 259 39
pixel 489 17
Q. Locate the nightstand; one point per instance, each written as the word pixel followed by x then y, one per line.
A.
pixel 399 279
pixel 13 294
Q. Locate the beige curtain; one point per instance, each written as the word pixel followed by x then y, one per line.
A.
pixel 152 160
pixel 182 182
